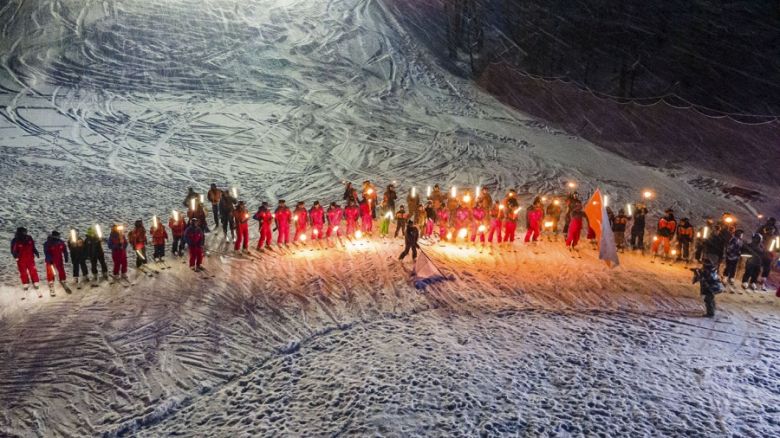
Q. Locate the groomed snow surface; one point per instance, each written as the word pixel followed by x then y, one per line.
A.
pixel 111 109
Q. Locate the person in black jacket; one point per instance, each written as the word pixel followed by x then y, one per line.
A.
pixel 93 250
pixel 78 256
pixel 755 251
pixel 412 234
pixel 638 228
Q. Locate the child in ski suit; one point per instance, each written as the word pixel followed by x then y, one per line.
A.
pixel 710 285
pixel 265 218
pixel 55 253
pixel 177 225
pixel 159 236
pixel 334 220
pixel 24 252
pixel 317 218
pixel 117 243
pixel 241 219
pixel 195 240
pixel 137 238
pixel 301 220
pixel 283 215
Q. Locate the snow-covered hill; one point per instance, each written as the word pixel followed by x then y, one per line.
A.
pixel 111 109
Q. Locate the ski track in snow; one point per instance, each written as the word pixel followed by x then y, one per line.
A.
pixel 111 109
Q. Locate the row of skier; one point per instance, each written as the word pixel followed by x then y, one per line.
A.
pixel 444 215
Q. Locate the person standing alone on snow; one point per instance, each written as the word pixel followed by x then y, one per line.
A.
pixel 710 285
pixel 411 236
pixel 24 252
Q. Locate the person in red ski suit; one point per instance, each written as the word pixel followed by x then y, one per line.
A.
pixel 195 240
pixel 496 221
pixel 334 219
pixel 575 224
pixel 117 243
pixel 477 221
pixel 301 219
pixel 443 216
pixel 317 217
pixel 159 236
pixel 283 216
pixel 177 230
pixel 241 219
pixel 462 216
pixel 24 252
pixel 510 224
pixel 264 218
pixel 351 213
pixel 55 253
pixel 534 217
pixel 137 239
pixel 366 219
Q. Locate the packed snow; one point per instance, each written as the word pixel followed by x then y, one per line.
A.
pixel 110 110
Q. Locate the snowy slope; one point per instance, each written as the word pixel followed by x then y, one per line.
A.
pixel 111 109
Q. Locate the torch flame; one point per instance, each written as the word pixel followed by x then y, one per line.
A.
pixel 315 232
pixel 414 192
pixel 234 191
pixel 481 229
pixel 477 191
pixel 73 235
pixel 454 191
pixel 705 232
pixel 389 215
pixel 501 206
pixel 303 238
pixel 428 191
pixel 358 234
pixel 98 231
pixel 192 204
pixel 548 224
pixel 647 194
pixel 655 238
pixel 449 235
pixel 606 200
pixel 572 184
pixel 628 208
pixel 462 233
pixel 466 198
pixel 517 210
pixel 175 215
pixel 556 202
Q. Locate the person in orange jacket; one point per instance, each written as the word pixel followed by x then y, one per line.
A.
pixel 159 236
pixel 241 219
pixel 667 227
pixel 177 225
pixel 137 239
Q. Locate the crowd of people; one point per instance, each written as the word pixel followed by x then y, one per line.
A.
pixel 466 217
